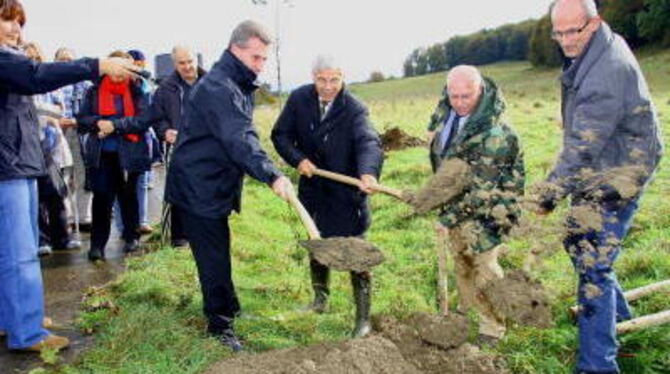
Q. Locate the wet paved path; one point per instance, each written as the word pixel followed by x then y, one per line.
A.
pixel 67 274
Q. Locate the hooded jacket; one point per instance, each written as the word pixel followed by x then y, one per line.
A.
pixel 492 150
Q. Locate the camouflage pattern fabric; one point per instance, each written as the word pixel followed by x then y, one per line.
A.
pixel 488 203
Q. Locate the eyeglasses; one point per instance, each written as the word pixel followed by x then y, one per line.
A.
pixel 569 33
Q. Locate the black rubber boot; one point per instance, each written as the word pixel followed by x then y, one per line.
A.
pixel 320 276
pixel 362 283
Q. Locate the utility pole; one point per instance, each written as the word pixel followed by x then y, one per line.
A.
pixel 277 10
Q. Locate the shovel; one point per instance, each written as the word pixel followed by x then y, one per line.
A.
pixel 400 195
pixel 344 254
pixel 442 281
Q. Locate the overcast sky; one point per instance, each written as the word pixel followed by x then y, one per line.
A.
pixel 365 35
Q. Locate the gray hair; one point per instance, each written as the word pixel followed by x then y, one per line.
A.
pixel 247 30
pixel 325 62
pixel 178 48
pixel 589 6
pixel 468 72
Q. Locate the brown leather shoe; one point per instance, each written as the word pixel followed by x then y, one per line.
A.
pixel 145 229
pixel 50 342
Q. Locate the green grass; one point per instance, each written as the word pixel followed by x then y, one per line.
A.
pixel 158 325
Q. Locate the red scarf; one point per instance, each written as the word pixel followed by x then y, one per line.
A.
pixel 106 106
pixel 106 93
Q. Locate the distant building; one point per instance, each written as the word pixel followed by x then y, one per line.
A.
pixel 163 65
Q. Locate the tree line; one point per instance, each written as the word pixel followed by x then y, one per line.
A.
pixel 641 22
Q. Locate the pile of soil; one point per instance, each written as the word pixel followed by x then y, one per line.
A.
pixel 422 344
pixel 345 254
pixel 373 355
pixel 520 299
pixel 395 139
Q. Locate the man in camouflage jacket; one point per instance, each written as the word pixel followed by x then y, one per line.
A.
pixel 467 126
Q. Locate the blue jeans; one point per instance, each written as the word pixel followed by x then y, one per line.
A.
pixel 21 292
pixel 599 294
pixel 143 196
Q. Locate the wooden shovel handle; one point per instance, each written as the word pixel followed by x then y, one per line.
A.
pixel 356 182
pixel 305 218
pixel 442 280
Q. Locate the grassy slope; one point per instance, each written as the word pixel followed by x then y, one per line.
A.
pixel 159 327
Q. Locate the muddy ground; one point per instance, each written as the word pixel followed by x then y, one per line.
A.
pixel 396 139
pixel 423 343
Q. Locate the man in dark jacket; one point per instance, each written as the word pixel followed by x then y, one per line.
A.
pixel 217 145
pixel 167 105
pixel 611 148
pixel 324 126
pixel 21 162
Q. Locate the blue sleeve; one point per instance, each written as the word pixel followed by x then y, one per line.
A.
pixel 233 127
pixel 23 76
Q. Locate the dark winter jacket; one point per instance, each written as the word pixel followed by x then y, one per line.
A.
pixel 134 157
pixel 218 143
pixel 21 153
pixel 343 142
pixel 167 103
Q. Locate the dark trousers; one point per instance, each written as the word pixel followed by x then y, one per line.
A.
pixel 177 225
pixel 109 182
pixel 52 221
pixel 210 243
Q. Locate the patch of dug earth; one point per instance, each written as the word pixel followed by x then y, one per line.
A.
pixel 365 356
pixel 395 139
pixel 520 299
pixel 424 341
pixel 345 254
pixel 422 344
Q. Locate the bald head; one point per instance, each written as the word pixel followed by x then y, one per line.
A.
pixel 464 87
pixel 585 8
pixel 185 63
pixel 464 73
pixel 573 24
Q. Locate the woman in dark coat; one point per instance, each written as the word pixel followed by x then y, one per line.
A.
pixel 21 162
pixel 114 160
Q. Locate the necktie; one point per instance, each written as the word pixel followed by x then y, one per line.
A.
pixel 448 138
pixel 323 105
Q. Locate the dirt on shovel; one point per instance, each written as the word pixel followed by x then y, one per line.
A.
pixel 520 299
pixel 451 177
pixel 344 254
